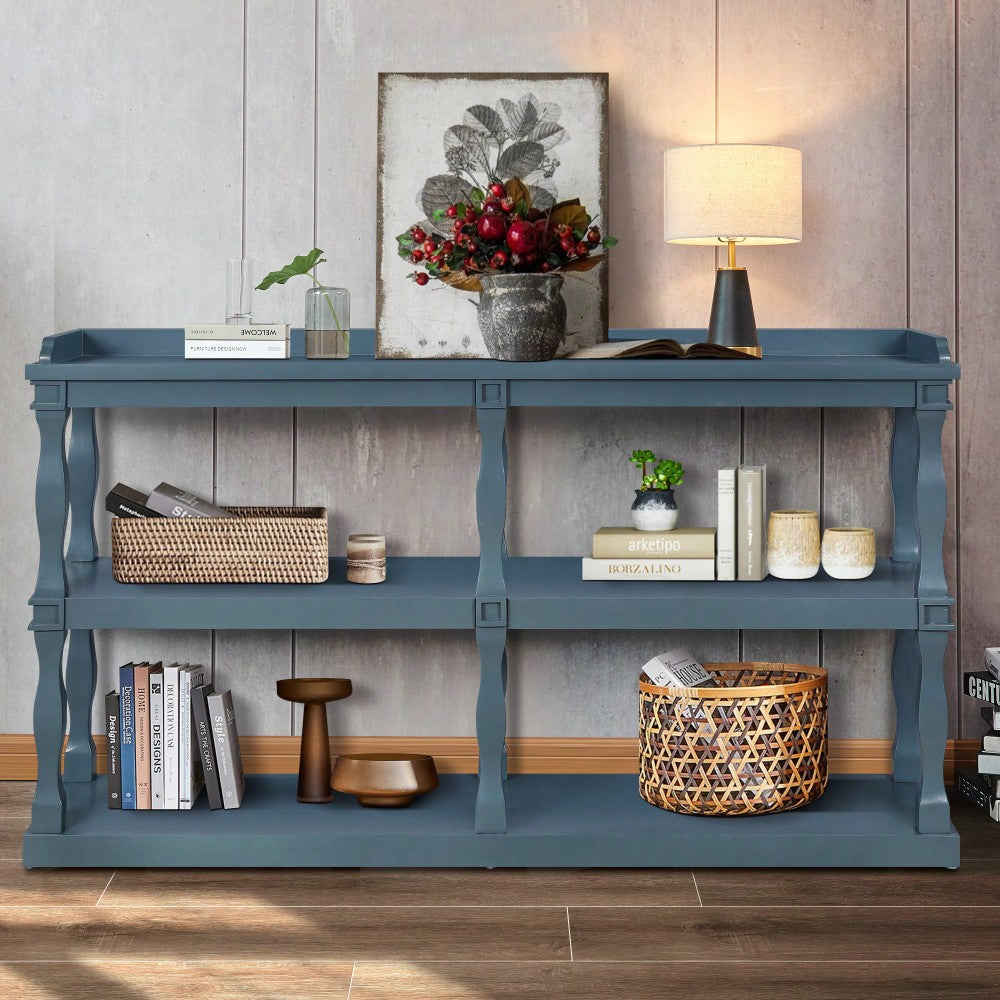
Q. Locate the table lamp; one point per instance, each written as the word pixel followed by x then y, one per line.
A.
pixel 731 193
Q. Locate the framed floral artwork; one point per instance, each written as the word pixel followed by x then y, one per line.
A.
pixel 480 173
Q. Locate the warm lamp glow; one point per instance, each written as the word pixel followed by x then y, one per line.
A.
pixel 746 193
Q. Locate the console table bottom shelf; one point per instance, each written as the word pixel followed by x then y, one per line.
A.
pixel 559 821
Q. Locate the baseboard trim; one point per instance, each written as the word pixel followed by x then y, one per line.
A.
pixel 526 754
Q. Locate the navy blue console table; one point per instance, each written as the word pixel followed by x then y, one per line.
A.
pixel 487 820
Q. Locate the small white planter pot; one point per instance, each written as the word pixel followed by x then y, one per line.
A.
pixel 654 510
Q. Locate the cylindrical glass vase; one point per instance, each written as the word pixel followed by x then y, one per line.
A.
pixel 328 322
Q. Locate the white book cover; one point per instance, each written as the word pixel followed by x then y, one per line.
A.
pixel 988 763
pixel 171 720
pixel 156 737
pixel 991 743
pixel 236 349
pixel 187 754
pixel 751 522
pixel 726 534
pixel 227 331
pixel 648 569
pixel 993 661
pixel 677 668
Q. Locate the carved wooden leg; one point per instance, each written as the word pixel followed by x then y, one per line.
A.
pixel 48 811
pixel 903 470
pixel 933 815
pixel 491 726
pixel 905 686
pixel 81 678
pixel 491 607
pixel 81 662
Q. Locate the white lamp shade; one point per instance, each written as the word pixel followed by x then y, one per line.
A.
pixel 737 191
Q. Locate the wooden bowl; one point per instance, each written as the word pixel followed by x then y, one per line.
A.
pixel 314 690
pixel 385 779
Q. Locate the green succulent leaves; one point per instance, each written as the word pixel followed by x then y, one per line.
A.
pixel 666 473
pixel 299 265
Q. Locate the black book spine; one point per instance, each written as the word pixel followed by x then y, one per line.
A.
pixel 203 743
pixel 123 501
pixel 984 686
pixel 974 788
pixel 112 724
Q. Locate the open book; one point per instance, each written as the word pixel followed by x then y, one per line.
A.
pixel 661 349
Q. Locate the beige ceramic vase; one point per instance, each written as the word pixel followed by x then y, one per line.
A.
pixel 849 553
pixel 793 544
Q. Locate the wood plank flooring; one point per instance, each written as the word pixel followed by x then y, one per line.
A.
pixel 492 935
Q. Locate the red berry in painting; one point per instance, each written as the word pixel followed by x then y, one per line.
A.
pixel 447 247
pixel 430 246
pixel 568 244
pixel 497 190
pixel 417 256
pixel 582 249
pixel 546 267
pixel 593 235
pixel 451 211
pixel 470 214
pixel 498 260
pixel 421 278
pixel 492 226
pixel 418 234
pixel 522 237
pixel 507 204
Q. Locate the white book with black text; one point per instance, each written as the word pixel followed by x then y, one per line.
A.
pixel 726 533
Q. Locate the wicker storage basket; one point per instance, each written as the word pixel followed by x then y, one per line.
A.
pixel 261 545
pixel 754 744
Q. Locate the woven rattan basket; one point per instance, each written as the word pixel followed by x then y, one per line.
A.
pixel 260 545
pixel 754 744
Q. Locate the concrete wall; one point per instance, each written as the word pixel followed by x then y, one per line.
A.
pixel 145 142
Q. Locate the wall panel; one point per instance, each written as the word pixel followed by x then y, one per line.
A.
pixel 979 430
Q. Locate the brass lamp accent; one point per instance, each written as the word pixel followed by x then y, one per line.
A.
pixel 729 193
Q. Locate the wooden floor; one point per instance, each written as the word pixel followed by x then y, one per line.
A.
pixel 627 935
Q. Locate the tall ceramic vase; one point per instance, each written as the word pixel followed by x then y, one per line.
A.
pixel 793 544
pixel 522 317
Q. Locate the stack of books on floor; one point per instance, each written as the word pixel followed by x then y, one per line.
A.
pixel 220 340
pixel 628 554
pixel 982 786
pixel 170 734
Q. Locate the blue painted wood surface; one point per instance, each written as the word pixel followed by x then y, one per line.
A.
pixel 555 821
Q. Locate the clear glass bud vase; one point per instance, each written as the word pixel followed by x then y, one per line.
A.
pixel 328 322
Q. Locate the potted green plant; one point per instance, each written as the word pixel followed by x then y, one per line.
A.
pixel 655 508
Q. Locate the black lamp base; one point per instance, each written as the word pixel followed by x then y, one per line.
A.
pixel 732 323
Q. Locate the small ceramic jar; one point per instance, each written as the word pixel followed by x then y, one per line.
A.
pixel 793 544
pixel 849 553
pixel 366 558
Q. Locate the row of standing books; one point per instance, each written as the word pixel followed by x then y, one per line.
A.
pixel 982 786
pixel 169 735
pixel 225 340
pixel 736 550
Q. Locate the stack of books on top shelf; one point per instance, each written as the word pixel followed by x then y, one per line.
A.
pixel 170 734
pixel 628 554
pixel 742 523
pixel 982 786
pixel 220 340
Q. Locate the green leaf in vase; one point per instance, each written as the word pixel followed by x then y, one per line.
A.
pixel 299 265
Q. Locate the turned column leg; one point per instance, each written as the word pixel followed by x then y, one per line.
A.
pixel 933 814
pixel 491 607
pixel 903 475
pixel 80 762
pixel 905 686
pixel 48 810
pixel 934 607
